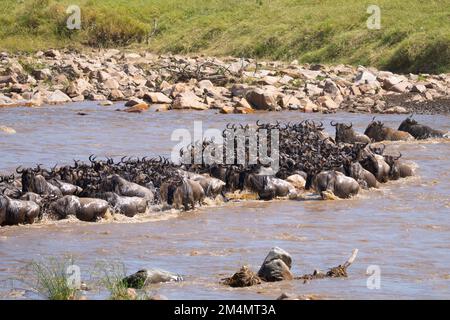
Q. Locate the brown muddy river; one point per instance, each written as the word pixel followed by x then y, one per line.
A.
pixel 403 228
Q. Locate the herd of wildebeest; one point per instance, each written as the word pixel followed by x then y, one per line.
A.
pixel 341 166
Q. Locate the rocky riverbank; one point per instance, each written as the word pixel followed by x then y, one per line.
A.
pixel 230 85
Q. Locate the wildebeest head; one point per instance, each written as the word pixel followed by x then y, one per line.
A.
pixel 407 124
pixel 344 132
pixel 375 131
pixel 394 164
pixel 28 175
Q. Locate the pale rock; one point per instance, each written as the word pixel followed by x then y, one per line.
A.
pixel 57 97
pixel 205 84
pixel 111 84
pixel 365 77
pixel 260 99
pixel 420 88
pixel 401 87
pixel 133 101
pixel 297 181
pixel 157 97
pixel 188 100
pixel 138 108
pixel 396 110
pixel 116 95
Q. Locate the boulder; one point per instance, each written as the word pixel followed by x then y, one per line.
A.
pixel 133 101
pixel 78 87
pixel 276 266
pixel 227 110
pixel 420 88
pixel 261 99
pixel 327 102
pixel 365 77
pixel 157 97
pixel 188 100
pixel 42 74
pixel 297 181
pixel 116 95
pixel 111 84
pixel 400 87
pixel 138 108
pixel 57 97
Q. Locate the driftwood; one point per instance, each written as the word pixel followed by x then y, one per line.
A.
pixel 335 272
pixel 184 71
pixel 243 278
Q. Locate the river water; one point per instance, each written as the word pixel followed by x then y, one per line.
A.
pixel 402 229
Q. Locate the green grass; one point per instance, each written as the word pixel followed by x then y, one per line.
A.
pixel 415 35
pixel 50 278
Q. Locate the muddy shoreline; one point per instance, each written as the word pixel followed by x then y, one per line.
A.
pixel 229 85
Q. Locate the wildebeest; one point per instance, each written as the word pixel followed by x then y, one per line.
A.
pixel 14 212
pixel 182 193
pixel 376 164
pixel 356 171
pixel 85 209
pixel 420 131
pixel 268 187
pixel 129 206
pixel 346 134
pixel 337 183
pixel 377 131
pixel 33 181
pixel 211 186
pixel 126 188
pixel 397 169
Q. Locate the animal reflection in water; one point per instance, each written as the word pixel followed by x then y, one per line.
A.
pixel 309 161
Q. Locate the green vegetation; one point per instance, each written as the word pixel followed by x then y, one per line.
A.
pixel 414 35
pixel 51 278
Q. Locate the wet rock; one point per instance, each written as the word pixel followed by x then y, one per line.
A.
pixel 161 107
pixel 138 108
pixel 297 181
pixel 106 103
pixel 276 266
pixel 145 277
pixel 227 110
pixel 96 97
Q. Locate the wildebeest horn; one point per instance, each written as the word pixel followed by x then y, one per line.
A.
pixel 399 156
pixel 350 126
pixel 332 123
pixel 19 171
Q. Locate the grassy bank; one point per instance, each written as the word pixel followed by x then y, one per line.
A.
pixel 414 35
